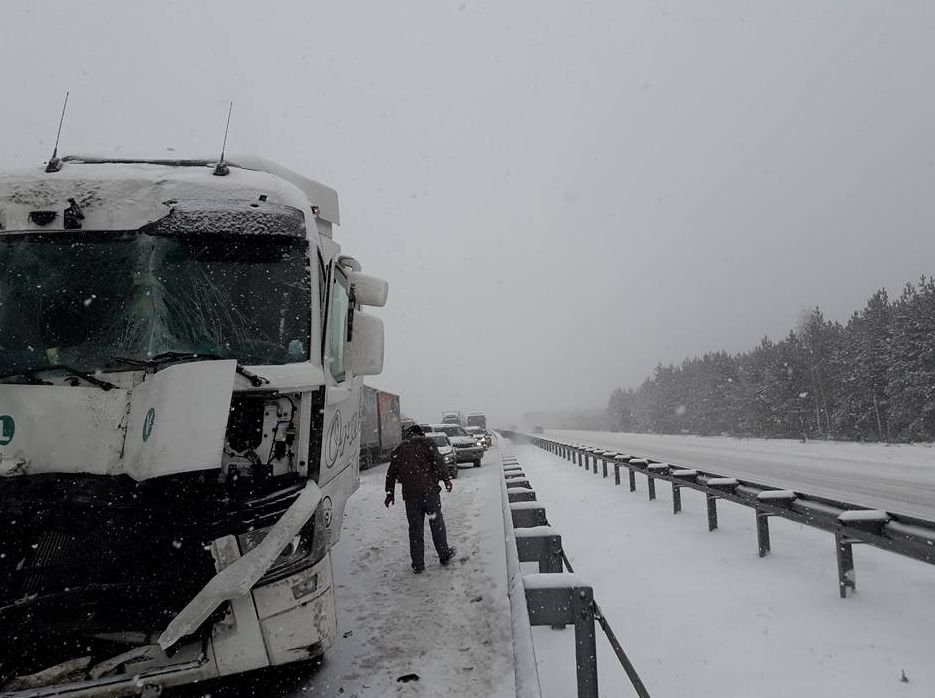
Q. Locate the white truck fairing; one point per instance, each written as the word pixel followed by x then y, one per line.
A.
pixel 126 195
pixel 172 422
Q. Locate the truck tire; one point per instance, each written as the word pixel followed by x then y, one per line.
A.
pixel 477 463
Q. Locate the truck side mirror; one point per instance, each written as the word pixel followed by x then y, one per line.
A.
pixel 365 350
pixel 368 290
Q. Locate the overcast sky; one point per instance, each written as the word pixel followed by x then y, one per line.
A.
pixel 561 194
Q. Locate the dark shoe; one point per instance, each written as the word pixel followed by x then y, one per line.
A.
pixel 449 557
pixel 418 570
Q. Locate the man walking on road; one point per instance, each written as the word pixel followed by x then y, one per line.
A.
pixel 419 469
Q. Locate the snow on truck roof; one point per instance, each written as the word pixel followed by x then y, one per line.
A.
pixel 127 193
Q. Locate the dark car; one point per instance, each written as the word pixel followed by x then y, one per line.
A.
pixel 445 451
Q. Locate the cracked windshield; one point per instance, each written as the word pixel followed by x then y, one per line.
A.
pixel 455 349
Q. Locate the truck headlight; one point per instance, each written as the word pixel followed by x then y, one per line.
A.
pixel 305 550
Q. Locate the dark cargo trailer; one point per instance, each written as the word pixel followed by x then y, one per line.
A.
pixel 380 430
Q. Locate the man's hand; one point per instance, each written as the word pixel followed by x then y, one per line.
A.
pixel 390 499
pixel 448 485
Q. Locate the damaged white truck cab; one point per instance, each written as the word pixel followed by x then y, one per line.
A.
pixel 181 356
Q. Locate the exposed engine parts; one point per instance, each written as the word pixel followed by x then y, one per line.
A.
pixel 261 434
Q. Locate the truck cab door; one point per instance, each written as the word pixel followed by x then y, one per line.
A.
pixel 339 473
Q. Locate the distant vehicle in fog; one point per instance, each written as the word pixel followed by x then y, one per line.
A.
pixel 480 435
pixel 476 419
pixel 452 418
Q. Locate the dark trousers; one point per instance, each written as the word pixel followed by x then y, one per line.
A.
pixel 417 508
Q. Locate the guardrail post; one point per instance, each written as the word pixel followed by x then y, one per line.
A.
pixel 540 544
pixel 712 511
pixel 689 475
pixel 528 514
pixel 555 599
pixel 604 467
pixel 638 463
pixel 726 484
pixel 844 550
pixel 585 642
pixel 594 457
pixel 762 532
pixel 651 486
pixel 521 494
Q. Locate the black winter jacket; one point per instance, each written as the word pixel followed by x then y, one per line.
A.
pixel 417 466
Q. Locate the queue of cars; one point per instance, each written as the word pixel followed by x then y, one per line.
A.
pixel 466 446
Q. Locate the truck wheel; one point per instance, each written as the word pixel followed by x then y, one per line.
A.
pixel 477 463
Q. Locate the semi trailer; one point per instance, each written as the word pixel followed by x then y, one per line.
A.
pixel 380 426
pixel 182 347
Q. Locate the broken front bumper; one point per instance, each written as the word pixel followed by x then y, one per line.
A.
pixel 289 620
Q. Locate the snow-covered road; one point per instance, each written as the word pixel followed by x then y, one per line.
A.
pixel 899 478
pixel 702 616
pixel 448 626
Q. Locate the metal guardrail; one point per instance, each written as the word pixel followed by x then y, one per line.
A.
pixel 552 597
pixel 526 675
pixel 851 524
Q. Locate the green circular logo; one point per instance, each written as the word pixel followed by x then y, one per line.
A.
pixel 149 423
pixel 7 427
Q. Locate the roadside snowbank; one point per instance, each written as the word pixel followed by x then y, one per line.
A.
pixel 702 616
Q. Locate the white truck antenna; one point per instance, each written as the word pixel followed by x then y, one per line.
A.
pixel 55 163
pixel 221 169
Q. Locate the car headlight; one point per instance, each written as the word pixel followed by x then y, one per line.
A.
pixel 305 550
